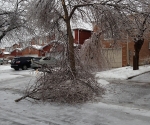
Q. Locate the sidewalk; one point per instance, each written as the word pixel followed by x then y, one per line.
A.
pixel 122 73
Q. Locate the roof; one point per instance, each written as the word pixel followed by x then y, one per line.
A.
pixel 38 47
pixel 53 41
pixel 6 53
pixel 82 29
pixel 20 49
pixel 82 26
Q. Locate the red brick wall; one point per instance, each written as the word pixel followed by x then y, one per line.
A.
pixel 30 51
pixel 16 53
pixel 46 49
pixel 144 53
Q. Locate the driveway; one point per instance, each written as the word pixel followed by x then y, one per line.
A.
pixel 134 92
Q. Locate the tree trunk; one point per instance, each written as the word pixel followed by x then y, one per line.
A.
pixel 136 61
pixel 138 42
pixel 70 49
pixel 71 55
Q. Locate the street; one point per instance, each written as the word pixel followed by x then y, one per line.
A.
pixel 132 93
pixel 125 102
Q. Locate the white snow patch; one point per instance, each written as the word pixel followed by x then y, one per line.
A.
pixel 6 53
pixel 4 67
pixel 5 76
pixel 38 47
pixel 102 82
pixel 122 73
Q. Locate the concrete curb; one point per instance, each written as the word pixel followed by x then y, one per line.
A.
pixel 137 75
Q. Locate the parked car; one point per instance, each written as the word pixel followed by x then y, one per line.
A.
pixel 48 61
pixel 1 61
pixel 21 62
pixel 35 63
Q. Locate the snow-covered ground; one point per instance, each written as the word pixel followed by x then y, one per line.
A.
pixel 28 112
pixel 6 73
pixel 122 73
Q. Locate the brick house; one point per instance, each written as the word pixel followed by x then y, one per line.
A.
pixel 125 48
pixel 34 50
pixel 4 54
pixel 46 49
pixel 42 41
pixel 49 48
pixel 16 52
pixel 80 35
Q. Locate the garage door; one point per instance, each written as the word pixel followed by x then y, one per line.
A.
pixel 114 57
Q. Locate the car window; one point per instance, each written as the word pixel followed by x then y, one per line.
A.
pixel 36 59
pixel 47 58
pixel 16 58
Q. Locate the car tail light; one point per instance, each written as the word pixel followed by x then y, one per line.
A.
pixel 17 61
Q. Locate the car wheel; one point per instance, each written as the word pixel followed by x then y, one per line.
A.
pixel 16 68
pixel 24 67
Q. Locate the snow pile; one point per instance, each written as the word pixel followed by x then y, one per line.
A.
pixel 122 73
